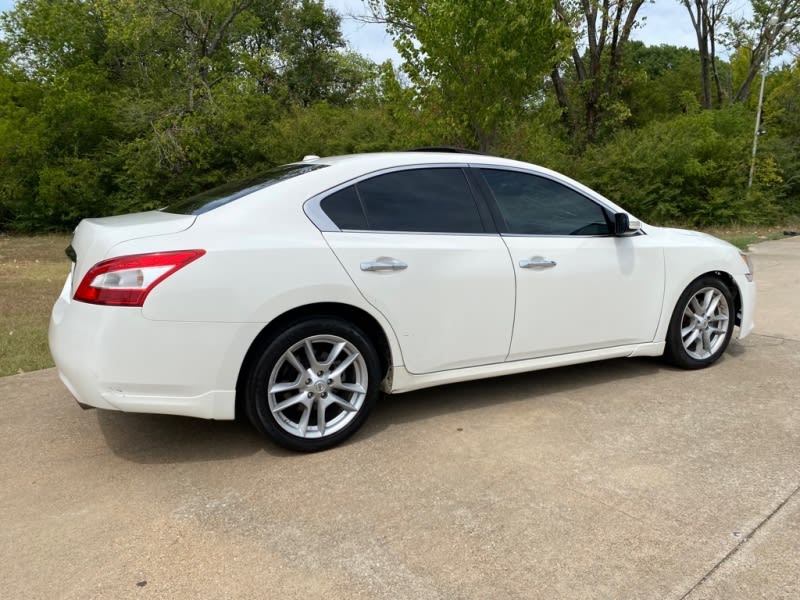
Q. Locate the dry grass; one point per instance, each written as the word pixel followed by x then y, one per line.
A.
pixel 32 273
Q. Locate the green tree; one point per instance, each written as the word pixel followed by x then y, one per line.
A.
pixel 476 64
pixel 781 122
pixel 660 79
pixel 118 105
pixel 756 38
pixel 601 30
pixel 688 169
pixel 707 17
pixel 56 114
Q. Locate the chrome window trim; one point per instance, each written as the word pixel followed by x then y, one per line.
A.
pixel 390 232
pixel 313 209
pixel 555 235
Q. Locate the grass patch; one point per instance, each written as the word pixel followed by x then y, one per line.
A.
pixel 32 273
pixel 742 236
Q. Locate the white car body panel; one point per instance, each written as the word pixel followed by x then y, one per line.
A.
pixel 182 352
pixel 187 372
pixel 441 318
pixel 688 254
pixel 603 292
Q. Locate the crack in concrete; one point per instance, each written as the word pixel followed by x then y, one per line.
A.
pixel 741 543
pixel 775 337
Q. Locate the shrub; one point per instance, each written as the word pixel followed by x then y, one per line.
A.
pixel 691 169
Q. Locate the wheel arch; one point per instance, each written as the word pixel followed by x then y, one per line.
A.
pixel 675 349
pixel 671 301
pixel 731 284
pixel 357 316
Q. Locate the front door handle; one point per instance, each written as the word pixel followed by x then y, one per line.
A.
pixel 384 264
pixel 537 262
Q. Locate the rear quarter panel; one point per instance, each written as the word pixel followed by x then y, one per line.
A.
pixel 263 258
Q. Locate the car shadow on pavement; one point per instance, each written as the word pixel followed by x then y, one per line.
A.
pixel 165 439
pixel 472 395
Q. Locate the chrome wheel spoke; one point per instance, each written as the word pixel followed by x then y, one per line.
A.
pixel 321 406
pixel 292 360
pixel 356 388
pixel 707 341
pixel 337 372
pixel 302 425
pixel 692 337
pixel 334 354
pixel 289 402
pixel 340 402
pixel 713 306
pixel 313 364
pixel 707 298
pixel 286 386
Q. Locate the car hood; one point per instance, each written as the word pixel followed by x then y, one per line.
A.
pixel 671 233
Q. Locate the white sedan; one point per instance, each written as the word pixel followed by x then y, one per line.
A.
pixel 298 295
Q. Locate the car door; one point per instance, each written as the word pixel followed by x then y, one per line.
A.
pixel 579 287
pixel 420 249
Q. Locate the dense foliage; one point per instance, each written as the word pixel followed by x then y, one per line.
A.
pixel 110 106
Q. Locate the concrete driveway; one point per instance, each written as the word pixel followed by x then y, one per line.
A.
pixel 623 479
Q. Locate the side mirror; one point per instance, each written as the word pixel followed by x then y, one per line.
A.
pixel 624 224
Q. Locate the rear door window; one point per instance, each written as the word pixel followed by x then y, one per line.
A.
pixel 344 209
pixel 430 200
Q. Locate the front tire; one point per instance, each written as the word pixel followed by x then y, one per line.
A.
pixel 313 385
pixel 702 324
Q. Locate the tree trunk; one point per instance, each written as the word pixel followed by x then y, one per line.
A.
pixel 704 22
pixel 607 26
pixel 744 90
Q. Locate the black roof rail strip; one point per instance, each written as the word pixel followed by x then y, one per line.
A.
pixel 446 149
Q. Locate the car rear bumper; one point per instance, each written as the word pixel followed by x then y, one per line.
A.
pixel 114 358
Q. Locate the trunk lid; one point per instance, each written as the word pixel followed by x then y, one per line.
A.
pixel 94 238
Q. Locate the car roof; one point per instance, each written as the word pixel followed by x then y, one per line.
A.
pixel 388 159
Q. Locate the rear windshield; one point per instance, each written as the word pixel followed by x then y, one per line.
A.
pixel 228 192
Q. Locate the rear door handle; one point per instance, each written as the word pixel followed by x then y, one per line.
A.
pixel 537 262
pixel 384 264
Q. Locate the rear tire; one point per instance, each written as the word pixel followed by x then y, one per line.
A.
pixel 702 324
pixel 313 386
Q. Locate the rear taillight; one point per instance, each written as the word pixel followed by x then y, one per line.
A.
pixel 127 280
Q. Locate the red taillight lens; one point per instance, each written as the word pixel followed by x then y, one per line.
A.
pixel 126 280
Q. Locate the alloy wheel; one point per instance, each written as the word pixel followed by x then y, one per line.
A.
pixel 317 386
pixel 704 324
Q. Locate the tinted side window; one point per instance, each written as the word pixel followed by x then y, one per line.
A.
pixel 535 205
pixel 424 200
pixel 344 209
